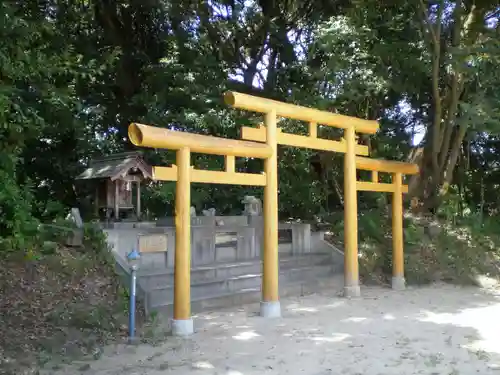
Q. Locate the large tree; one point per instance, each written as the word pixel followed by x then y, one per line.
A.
pixel 462 42
pixel 432 64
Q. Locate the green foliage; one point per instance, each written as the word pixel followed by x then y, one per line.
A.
pixel 74 75
pixel 38 105
pixel 17 225
pixel 447 250
pixel 94 239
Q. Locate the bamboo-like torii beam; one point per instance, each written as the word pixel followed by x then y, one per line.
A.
pixel 378 187
pixel 389 166
pixel 154 137
pixel 296 112
pixel 211 177
pixel 307 141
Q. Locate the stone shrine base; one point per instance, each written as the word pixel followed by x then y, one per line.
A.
pixel 226 268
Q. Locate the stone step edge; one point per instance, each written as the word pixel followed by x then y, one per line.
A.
pixel 170 271
pixel 241 277
pixel 285 290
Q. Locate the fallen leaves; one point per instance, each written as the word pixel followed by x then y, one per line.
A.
pixel 62 304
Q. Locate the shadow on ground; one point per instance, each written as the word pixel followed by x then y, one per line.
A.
pixel 439 329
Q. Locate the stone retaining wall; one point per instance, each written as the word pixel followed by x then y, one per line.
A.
pixel 213 239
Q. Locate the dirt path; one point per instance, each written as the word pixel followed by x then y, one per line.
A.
pixel 434 330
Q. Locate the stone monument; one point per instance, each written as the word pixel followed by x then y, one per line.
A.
pixel 253 206
pixel 209 212
pixel 75 236
pixel 192 211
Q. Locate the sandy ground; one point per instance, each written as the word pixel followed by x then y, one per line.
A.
pixel 440 329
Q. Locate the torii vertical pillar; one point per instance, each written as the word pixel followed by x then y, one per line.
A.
pixel 270 304
pixel 182 324
pixel 398 278
pixel 351 267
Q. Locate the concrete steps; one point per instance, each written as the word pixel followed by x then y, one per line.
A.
pixel 162 295
pixel 253 295
pixel 158 278
pixel 228 284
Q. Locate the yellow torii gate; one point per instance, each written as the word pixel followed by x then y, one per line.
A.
pixel 348 145
pixel 184 174
pixel 396 187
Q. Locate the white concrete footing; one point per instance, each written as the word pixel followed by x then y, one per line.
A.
pixel 134 340
pixel 352 291
pixel 398 283
pixel 270 309
pixel 182 327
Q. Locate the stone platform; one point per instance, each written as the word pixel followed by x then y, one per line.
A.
pixel 226 261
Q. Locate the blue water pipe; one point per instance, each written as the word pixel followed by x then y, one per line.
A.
pixel 133 259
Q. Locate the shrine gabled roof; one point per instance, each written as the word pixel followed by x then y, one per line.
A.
pixel 116 166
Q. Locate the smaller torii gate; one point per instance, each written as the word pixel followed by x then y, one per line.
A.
pixel 185 143
pixel 347 145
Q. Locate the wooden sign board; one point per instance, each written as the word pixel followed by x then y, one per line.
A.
pixel 152 243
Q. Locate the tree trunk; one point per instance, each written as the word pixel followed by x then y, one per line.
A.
pixel 444 137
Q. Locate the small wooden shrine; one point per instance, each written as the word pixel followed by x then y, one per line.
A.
pixel 116 176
